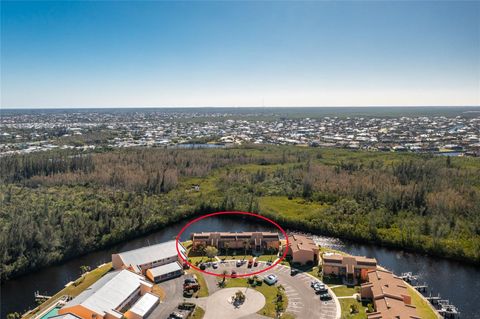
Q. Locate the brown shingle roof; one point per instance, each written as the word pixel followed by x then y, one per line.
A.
pixel 390 296
pixel 299 242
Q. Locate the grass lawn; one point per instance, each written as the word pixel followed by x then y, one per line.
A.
pixel 297 207
pixel 267 258
pixel 197 260
pixel 198 313
pixel 76 288
pixel 203 292
pixel 314 273
pixel 345 291
pixel 423 307
pixel 345 305
pixel 270 293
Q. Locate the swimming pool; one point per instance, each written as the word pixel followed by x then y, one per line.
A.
pixel 51 313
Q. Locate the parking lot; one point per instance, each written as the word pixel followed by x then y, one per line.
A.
pixel 302 300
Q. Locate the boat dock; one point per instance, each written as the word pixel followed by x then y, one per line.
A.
pixel 443 306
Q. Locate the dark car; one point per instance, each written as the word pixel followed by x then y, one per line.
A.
pixel 325 296
pixel 255 264
pixel 293 272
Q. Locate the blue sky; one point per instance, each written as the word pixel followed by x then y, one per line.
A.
pixel 132 53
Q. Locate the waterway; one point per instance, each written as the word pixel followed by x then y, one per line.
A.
pixel 458 282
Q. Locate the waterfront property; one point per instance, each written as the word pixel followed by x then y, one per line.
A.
pixel 115 295
pixel 302 249
pixel 390 296
pixel 348 266
pixel 255 241
pixel 145 258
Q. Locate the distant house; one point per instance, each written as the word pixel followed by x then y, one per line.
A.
pixel 148 258
pixel 302 249
pixel 389 295
pixel 257 241
pixel 114 295
pixel 348 266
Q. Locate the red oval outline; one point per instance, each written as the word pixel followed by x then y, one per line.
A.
pixel 284 233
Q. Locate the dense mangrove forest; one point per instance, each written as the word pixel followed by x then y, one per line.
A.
pixel 59 204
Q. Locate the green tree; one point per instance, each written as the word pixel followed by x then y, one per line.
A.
pixel 211 251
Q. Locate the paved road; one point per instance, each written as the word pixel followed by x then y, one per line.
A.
pixel 219 305
pixel 302 301
pixel 174 295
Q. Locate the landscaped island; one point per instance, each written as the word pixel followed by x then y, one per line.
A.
pixel 57 205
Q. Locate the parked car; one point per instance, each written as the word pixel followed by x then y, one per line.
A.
pixel 188 293
pixel 178 315
pixel 320 289
pixel 269 263
pixel 294 271
pixel 255 264
pixel 239 263
pixel 315 282
pixel 214 265
pixel 325 296
pixel 270 279
pixel 191 279
pixel 250 263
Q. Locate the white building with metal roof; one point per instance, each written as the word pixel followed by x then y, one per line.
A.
pixel 110 297
pixel 139 260
pixel 143 307
pixel 164 272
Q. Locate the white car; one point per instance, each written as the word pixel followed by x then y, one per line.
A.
pixel 271 279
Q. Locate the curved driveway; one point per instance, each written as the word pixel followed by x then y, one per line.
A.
pixel 302 300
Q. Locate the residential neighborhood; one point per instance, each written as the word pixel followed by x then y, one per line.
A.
pixel 86 130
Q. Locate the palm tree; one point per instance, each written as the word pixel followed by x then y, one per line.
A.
pixel 224 273
pixel 226 246
pixel 245 243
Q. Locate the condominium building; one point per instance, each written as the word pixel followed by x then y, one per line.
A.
pixel 118 294
pixel 302 249
pixel 258 241
pixel 389 295
pixel 348 266
pixel 150 257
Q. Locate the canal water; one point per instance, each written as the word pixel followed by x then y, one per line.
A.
pixel 458 282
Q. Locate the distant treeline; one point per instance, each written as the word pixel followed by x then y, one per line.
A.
pixel 57 205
